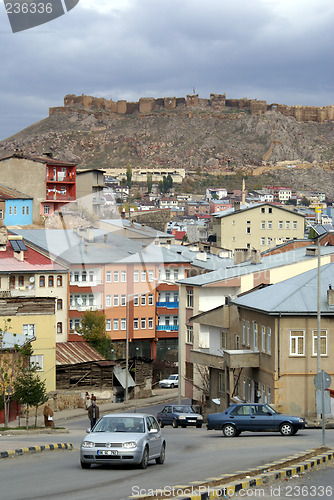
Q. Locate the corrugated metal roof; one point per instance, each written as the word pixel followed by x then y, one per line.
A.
pixel 12 340
pixel 72 353
pixel 7 193
pixel 297 295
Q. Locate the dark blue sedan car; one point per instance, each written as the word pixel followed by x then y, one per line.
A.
pixel 182 415
pixel 256 417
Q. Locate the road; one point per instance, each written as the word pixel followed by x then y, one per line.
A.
pixel 192 455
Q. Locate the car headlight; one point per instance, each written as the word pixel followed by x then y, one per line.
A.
pixel 181 417
pixel 301 420
pixel 129 444
pixel 199 417
pixel 87 444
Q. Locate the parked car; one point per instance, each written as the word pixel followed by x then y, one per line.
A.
pixel 256 417
pixel 182 415
pixel 127 438
pixel 171 382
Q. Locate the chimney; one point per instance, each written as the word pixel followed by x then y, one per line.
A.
pixel 330 296
pixel 241 255
pixel 236 206
pixel 256 257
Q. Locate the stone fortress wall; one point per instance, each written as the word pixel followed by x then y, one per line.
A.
pixel 217 102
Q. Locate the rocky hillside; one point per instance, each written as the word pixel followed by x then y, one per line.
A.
pixel 198 140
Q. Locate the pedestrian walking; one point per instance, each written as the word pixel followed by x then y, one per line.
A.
pixel 93 413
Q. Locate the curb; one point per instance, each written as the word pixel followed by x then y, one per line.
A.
pixel 200 490
pixel 36 449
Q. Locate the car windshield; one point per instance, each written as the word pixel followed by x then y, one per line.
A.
pixel 183 409
pixel 270 409
pixel 120 424
pixel 172 377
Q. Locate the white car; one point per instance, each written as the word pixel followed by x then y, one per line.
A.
pixel 170 382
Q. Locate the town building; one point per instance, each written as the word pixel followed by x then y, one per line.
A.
pixel 258 226
pixel 90 190
pixel 15 207
pixel 51 183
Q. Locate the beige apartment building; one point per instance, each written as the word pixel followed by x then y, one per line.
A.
pixel 260 226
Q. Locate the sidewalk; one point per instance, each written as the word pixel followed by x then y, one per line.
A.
pixel 32 440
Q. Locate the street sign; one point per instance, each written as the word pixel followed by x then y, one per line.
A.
pixel 322 381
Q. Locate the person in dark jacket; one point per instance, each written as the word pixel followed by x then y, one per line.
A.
pixel 93 413
pixel 48 416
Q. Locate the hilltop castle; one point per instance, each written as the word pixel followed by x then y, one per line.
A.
pixel 217 102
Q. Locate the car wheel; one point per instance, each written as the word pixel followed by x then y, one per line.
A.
pixel 160 460
pixel 144 460
pixel 85 465
pixel 286 429
pixel 229 430
pixel 175 424
pixel 198 426
pixel 160 422
pixel 172 386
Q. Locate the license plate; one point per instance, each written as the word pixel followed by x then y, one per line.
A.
pixel 106 452
pixel 191 420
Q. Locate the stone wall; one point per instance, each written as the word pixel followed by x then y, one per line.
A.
pixel 217 102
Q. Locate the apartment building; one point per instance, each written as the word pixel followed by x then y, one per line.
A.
pixel 260 226
pixel 51 183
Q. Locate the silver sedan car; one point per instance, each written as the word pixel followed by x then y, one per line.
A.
pixel 127 438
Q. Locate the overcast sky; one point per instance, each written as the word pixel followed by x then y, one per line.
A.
pixel 277 50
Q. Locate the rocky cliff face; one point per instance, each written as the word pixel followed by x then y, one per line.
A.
pixel 196 139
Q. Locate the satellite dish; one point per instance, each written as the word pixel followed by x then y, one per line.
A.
pixel 32 279
pixel 79 301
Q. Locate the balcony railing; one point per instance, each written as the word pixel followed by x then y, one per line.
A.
pixel 76 307
pixel 167 328
pixel 169 305
pixel 86 283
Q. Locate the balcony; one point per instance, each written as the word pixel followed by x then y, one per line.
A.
pixel 86 283
pixel 242 358
pixel 82 308
pixel 167 328
pixel 169 305
pixel 204 358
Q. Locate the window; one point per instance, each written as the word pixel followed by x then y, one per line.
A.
pixel 263 241
pixel 323 343
pixel 123 324
pixel 143 323
pixel 143 277
pixel 248 230
pixel 23 210
pixel 150 299
pixel 190 297
pixel 42 281
pixel 270 224
pixel 115 325
pixel 116 276
pixel 91 276
pixel 28 330
pixel 287 224
pixel 108 325
pixel 136 276
pixel 269 340
pixel 297 343
pixel 167 274
pixel 21 280
pixel 150 323
pixel 189 371
pixel 123 300
pixel 176 274
pixel 167 318
pixel 123 276
pixel 27 210
pixel 175 320
pixel 1 214
pixel 10 210
pixel 15 210
pixel 223 340
pixel 167 297
pixel 244 388
pixel 46 209
pixel 263 210
pixel 108 300
pixel 294 224
pixel 143 300
pixel 59 327
pixel 176 296
pixel 280 224
pixel 263 337
pixel 12 282
pixel 50 281
pixel 116 300
pixel 150 276
pixel 135 323
pixel 84 276
pixel 136 300
pixel 59 280
pixel 255 336
pixel 247 333
pixel 36 361
pixel 243 332
pixel 76 276
pixel 268 395
pixel 270 210
pixel 63 190
pixel 108 276
pixel 59 304
pixel 221 381
pixel 237 342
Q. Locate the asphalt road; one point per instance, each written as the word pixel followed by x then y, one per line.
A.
pixel 192 455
